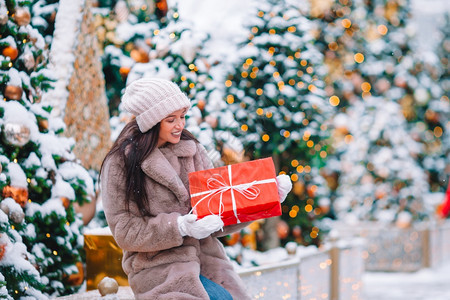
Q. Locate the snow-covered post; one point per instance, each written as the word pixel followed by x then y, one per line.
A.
pixel 347 266
pixel 445 235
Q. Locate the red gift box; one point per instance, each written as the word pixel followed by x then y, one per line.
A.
pixel 237 193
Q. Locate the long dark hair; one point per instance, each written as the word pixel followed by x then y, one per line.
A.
pixel 132 146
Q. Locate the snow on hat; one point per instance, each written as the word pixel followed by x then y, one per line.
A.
pixel 152 99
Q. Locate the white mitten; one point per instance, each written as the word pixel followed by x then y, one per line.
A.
pixel 199 229
pixel 284 186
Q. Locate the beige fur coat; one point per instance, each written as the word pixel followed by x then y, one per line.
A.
pixel 159 262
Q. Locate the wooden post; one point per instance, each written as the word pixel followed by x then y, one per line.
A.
pixel 426 252
pixel 334 273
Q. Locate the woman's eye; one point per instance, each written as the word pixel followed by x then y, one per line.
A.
pixel 170 120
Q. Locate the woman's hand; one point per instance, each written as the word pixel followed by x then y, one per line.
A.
pixel 199 229
pixel 284 186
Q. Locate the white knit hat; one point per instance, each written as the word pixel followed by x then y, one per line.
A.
pixel 152 99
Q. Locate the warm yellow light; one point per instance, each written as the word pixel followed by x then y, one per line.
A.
pixel 228 83
pixel 307 169
pixel 297 54
pixel 291 82
pixel 191 85
pixel 305 122
pixel 333 46
pixel 183 78
pixel 323 154
pixel 312 88
pixel 276 74
pixel 300 169
pixel 254 29
pixel 438 131
pixel 260 111
pixel 269 114
pixel 303 63
pixel 286 134
pixel 294 177
pixel 300 84
pixel 260 14
pixel 265 138
pixel 244 127
pixel 47 235
pixel 359 58
pixel 346 23
pixel 308 208
pixel 365 86
pixel 259 92
pixel 244 74
pixel 55 252
pixel 382 29
pixel 280 102
pixel 292 29
pixel 310 144
pixel 272 31
pixel 294 163
pixel 230 99
pixel 249 61
pixel 309 70
pixel 348 139
pixel 292 213
pixel 334 100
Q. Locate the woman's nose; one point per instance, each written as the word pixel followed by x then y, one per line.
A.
pixel 179 123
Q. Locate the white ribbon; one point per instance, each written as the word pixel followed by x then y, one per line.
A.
pixel 217 186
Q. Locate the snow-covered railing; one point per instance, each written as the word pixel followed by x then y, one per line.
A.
pixel 333 271
pixel 394 249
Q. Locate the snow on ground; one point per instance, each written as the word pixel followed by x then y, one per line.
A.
pixel 426 284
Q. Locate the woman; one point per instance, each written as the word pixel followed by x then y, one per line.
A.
pixel 168 253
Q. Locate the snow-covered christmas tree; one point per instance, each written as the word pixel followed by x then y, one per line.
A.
pixel 380 179
pixel 276 93
pixel 41 179
pixel 163 44
pixel 375 82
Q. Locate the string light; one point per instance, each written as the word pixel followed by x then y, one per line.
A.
pixel 346 23
pixel 334 100
pixel 359 57
pixel 333 46
pixel 366 87
pixel 382 29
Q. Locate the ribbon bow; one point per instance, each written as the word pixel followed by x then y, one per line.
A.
pixel 217 186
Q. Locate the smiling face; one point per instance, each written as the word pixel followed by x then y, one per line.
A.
pixel 171 127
